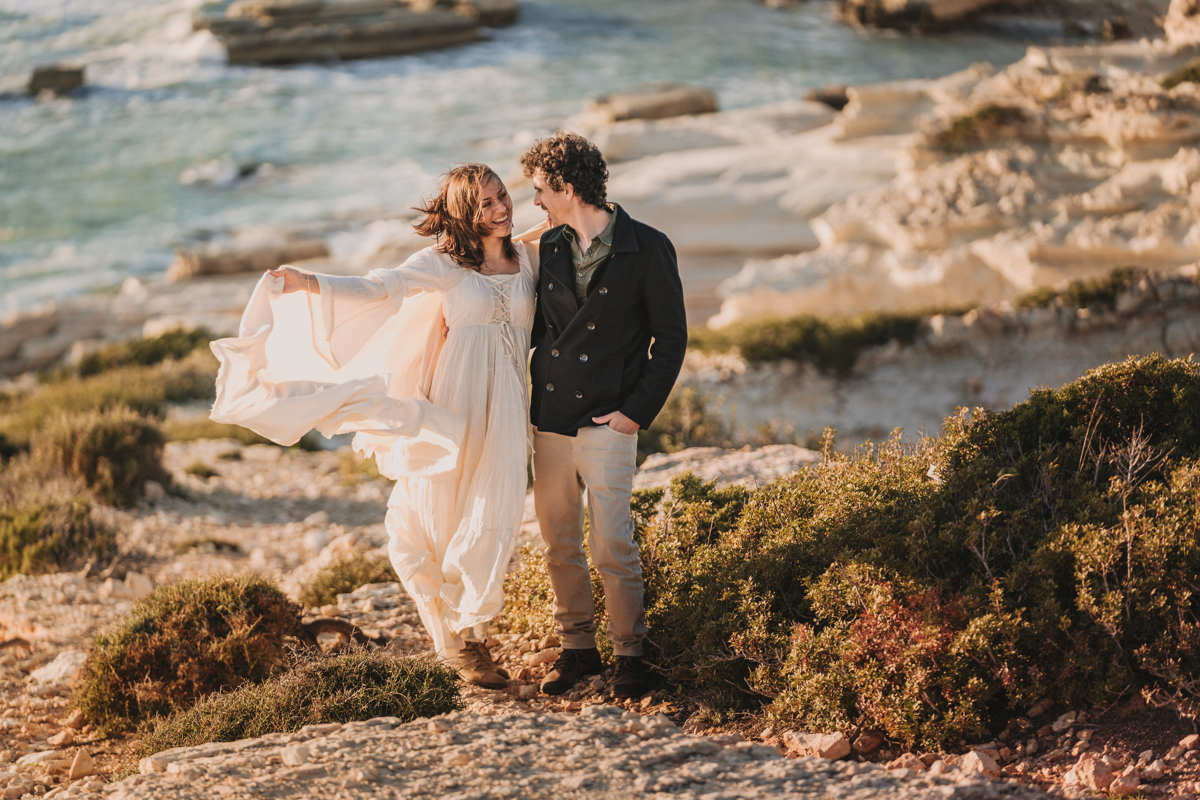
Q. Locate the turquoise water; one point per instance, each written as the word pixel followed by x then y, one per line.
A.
pixel 102 186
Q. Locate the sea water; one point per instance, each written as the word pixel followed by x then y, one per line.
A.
pixel 170 145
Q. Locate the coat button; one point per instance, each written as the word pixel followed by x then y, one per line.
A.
pixel 603 289
pixel 554 353
pixel 583 357
pixel 549 387
pixel 579 395
pixel 551 287
pixel 591 326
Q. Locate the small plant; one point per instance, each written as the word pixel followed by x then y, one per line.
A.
pixel 143 389
pixel 979 126
pixel 201 470
pixel 48 523
pixel 1097 293
pixel 353 468
pixel 343 688
pixel 185 641
pixel 345 574
pixel 114 452
pixel 832 345
pixel 687 420
pixel 171 346
pixel 1188 73
pixel 193 429
pixel 205 543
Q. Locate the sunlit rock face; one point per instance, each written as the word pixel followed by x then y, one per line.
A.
pixel 1071 162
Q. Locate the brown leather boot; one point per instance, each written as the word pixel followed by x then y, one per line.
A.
pixel 570 667
pixel 475 666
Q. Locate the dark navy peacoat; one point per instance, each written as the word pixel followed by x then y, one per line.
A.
pixel 597 358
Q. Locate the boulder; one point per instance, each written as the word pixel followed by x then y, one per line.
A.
pixel 976 761
pixel 910 14
pixel 235 255
pixel 654 101
pixel 819 745
pixel 1092 773
pixel 292 31
pixel 59 673
pixel 56 79
pixel 1182 24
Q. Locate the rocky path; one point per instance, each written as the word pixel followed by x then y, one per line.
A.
pixel 603 753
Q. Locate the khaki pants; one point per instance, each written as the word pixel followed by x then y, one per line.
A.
pixel 603 462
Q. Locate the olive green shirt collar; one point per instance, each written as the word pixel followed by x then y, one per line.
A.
pixel 586 261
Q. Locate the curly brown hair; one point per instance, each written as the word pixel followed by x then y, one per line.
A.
pixel 569 158
pixel 452 216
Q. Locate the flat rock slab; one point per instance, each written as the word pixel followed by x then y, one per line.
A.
pixel 603 753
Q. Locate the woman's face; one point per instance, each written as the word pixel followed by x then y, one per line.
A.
pixel 495 209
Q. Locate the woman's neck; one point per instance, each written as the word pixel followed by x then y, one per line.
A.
pixel 493 249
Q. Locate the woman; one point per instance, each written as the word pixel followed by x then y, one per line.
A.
pixel 427 362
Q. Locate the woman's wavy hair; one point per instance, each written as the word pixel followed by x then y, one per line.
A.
pixel 569 158
pixel 454 219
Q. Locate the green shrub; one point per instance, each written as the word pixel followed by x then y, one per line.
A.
pixel 932 589
pixel 171 346
pixel 199 469
pixel 353 468
pixel 190 430
pixel 831 344
pixel 343 575
pixel 978 126
pixel 48 523
pixel 687 420
pixel 187 640
pixel 114 452
pixel 1188 73
pixel 143 389
pixel 1098 293
pixel 341 688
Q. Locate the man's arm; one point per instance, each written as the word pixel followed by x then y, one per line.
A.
pixel 663 293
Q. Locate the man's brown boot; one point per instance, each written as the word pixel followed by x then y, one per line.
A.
pixel 570 667
pixel 475 666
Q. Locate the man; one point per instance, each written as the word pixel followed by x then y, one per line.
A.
pixel 609 335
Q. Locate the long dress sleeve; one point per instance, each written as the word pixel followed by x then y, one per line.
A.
pixel 357 357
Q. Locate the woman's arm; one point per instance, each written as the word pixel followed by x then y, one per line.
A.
pixel 295 280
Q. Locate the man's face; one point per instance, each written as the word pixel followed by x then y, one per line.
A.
pixel 555 203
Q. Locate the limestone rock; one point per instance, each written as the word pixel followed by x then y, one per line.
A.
pixel 976 761
pixel 59 673
pixel 1063 722
pixel 1182 24
pixel 56 79
pixel 223 258
pixel 1093 773
pixel 907 761
pixel 831 746
pixel 654 101
pixel 867 743
pixel 82 765
pixel 909 14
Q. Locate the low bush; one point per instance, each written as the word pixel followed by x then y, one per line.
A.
pixel 687 420
pixel 48 523
pixel 343 575
pixel 144 389
pixel 183 642
pixel 831 344
pixel 343 688
pixel 190 430
pixel 353 468
pixel 1096 293
pixel 932 589
pixel 171 346
pixel 978 127
pixel 114 452
pixel 1188 73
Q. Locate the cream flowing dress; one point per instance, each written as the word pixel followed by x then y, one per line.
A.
pixel 448 420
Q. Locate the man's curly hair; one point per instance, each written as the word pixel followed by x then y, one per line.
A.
pixel 569 158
